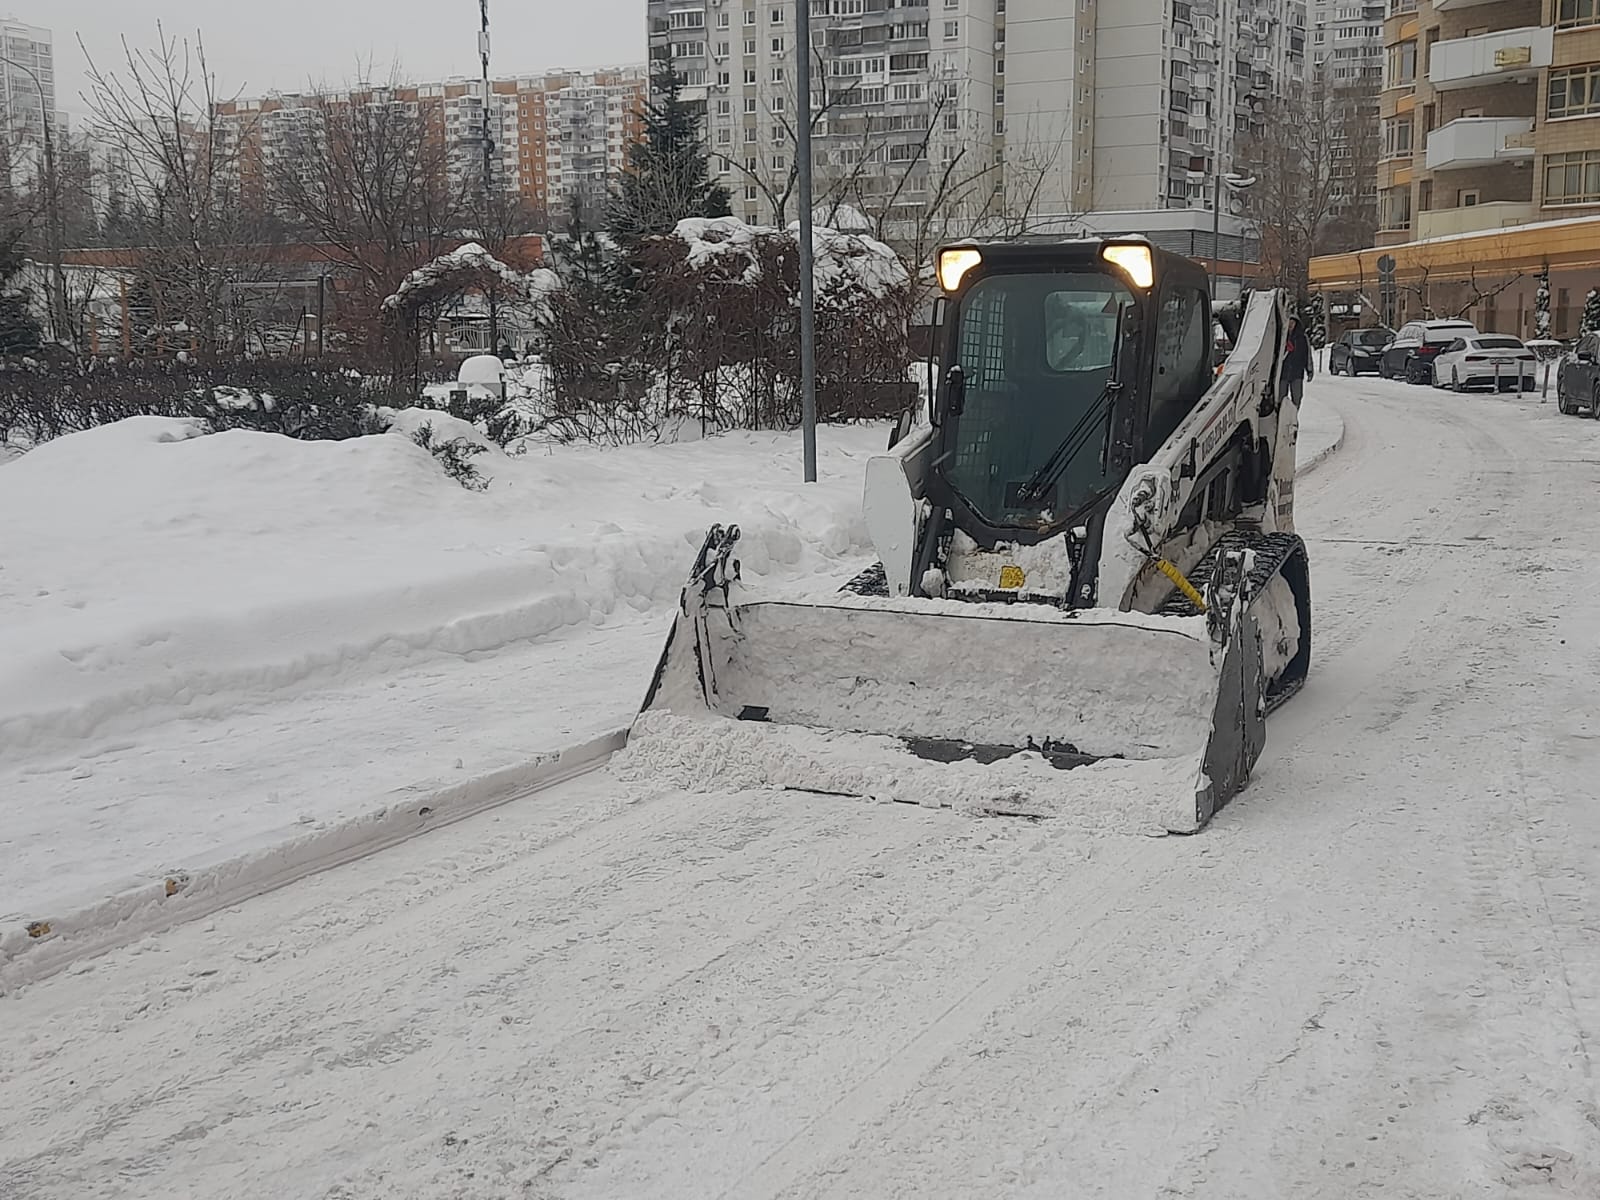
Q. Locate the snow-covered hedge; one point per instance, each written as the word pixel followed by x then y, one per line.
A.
pixel 702 329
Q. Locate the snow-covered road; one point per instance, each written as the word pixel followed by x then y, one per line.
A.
pixel 1376 975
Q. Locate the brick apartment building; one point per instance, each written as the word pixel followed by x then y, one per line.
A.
pixel 1490 168
pixel 559 137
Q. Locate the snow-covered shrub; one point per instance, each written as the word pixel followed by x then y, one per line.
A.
pixel 708 335
pixel 455 455
pixel 42 400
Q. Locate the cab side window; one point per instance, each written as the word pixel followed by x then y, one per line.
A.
pixel 1182 361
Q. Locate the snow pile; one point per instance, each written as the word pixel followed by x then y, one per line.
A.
pixel 715 239
pixel 851 260
pixel 707 754
pixel 842 261
pixel 469 258
pixel 204 639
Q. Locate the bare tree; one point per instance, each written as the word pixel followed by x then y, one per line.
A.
pixel 371 179
pixel 159 115
pixel 1312 149
pixel 1453 297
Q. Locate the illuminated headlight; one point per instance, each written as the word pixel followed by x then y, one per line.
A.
pixel 1135 262
pixel 954 265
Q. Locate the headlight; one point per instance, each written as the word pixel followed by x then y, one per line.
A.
pixel 954 265
pixel 1136 262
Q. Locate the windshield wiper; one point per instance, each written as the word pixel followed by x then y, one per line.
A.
pixel 1044 480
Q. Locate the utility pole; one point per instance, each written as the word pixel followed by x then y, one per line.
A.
pixel 488 170
pixel 60 319
pixel 808 326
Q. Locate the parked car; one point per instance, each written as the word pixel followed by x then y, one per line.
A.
pixel 1485 360
pixel 1358 351
pixel 1410 356
pixel 1578 378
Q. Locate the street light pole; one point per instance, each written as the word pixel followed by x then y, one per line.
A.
pixel 488 169
pixel 59 317
pixel 1236 183
pixel 1216 230
pixel 808 328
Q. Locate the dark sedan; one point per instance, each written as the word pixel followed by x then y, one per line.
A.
pixel 1358 352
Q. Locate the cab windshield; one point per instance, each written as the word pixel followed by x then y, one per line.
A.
pixel 1036 354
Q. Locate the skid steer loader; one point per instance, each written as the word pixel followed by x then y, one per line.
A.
pixel 1089 595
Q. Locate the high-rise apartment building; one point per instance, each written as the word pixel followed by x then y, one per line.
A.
pixel 559 138
pixel 1070 106
pixel 1347 41
pixel 27 80
pixel 1485 109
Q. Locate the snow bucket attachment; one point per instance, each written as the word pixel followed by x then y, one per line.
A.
pixel 1121 719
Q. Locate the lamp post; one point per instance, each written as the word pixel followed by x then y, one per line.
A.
pixel 53 231
pixel 488 168
pixel 1236 183
pixel 808 328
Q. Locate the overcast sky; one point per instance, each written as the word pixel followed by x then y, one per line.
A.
pixel 261 45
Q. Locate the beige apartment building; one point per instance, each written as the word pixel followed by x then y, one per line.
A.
pixel 1491 141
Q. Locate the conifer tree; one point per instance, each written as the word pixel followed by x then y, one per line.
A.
pixel 668 176
pixel 1591 312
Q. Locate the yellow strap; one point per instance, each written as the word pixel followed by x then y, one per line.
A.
pixel 1182 584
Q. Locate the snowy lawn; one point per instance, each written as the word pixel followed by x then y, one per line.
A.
pixel 210 642
pixel 210 645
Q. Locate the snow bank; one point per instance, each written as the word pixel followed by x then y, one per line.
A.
pixel 160 570
pixel 171 590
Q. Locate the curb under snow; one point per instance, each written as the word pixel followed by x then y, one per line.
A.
pixel 48 944
pixel 1322 453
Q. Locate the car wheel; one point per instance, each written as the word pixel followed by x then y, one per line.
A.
pixel 1455 380
pixel 1594 403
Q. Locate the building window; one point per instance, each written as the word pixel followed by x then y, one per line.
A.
pixel 1574 93
pixel 1395 208
pixel 1402 65
pixel 1572 178
pixel 1572 13
pixel 1397 137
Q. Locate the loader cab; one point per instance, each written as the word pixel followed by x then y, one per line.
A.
pixel 1063 364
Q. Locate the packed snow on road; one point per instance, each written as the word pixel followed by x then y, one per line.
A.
pixel 1373 975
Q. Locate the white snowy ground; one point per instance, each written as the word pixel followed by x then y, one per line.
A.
pixel 1376 974
pixel 212 648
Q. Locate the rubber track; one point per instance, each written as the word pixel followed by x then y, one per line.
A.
pixel 1272 551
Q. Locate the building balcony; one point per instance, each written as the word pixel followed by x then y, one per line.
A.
pixel 1456 5
pixel 1475 218
pixel 1491 58
pixel 1480 142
